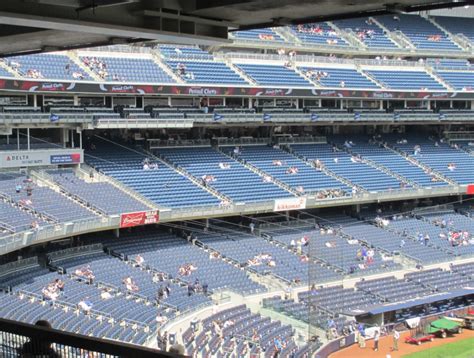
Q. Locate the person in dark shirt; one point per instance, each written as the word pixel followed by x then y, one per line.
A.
pixel 38 348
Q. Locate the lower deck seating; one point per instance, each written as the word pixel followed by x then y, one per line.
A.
pixel 342 164
pixel 228 176
pixel 167 253
pixel 438 156
pixel 101 195
pixel 163 185
pixel 276 163
pixel 43 200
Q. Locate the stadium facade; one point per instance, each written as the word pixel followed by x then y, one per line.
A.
pixel 319 173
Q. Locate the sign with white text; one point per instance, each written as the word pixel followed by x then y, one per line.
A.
pixel 290 204
pixel 31 158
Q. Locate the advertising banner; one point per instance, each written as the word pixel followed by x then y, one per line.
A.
pixel 290 204
pixel 31 158
pixel 139 218
pixel 39 86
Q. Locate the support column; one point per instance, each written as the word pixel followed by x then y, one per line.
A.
pixel 116 233
pixel 72 138
pixel 28 138
pixel 18 138
pixel 169 101
pixel 80 137
pixel 381 105
pixel 64 137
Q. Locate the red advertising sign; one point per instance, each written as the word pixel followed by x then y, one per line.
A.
pixel 470 189
pixel 139 218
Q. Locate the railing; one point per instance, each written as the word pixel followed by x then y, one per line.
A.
pixel 243 141
pixel 321 59
pixel 18 265
pixel 17 337
pixel 459 135
pixel 120 49
pixel 56 231
pixel 75 251
pixel 156 143
pixel 53 232
pixel 302 140
pixel 29 118
pixel 144 123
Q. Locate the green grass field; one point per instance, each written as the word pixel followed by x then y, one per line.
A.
pixel 460 349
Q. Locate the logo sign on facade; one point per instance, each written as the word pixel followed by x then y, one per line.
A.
pixel 290 204
pixel 17 159
pixel 139 218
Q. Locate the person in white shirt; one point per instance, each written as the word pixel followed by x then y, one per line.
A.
pixel 252 227
pixel 139 260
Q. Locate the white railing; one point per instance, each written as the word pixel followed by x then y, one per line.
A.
pixel 242 141
pixel 29 118
pixel 144 123
pixel 56 231
pixel 157 143
pixel 120 48
pixel 319 59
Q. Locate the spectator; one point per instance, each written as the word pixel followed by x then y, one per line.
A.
pixel 190 289
pixel 139 260
pixel 38 347
pixel 252 227
pixel 177 349
pixel 361 340
pixel 105 295
pixel 376 340
pixel 59 284
pixel 402 243
pixel 396 337
pixel 85 305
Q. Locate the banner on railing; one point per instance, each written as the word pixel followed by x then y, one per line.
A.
pixel 470 189
pixel 139 218
pixel 290 204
